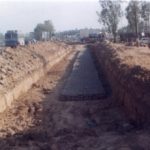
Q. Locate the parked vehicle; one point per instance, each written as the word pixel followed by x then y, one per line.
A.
pixel 13 38
pixel 144 40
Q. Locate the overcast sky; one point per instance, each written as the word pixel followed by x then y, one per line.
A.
pixel 23 15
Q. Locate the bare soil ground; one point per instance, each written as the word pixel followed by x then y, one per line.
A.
pixel 39 121
pixel 134 56
pixel 18 62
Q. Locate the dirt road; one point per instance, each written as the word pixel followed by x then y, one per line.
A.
pixel 39 121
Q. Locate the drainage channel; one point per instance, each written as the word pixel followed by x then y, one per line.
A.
pixel 84 82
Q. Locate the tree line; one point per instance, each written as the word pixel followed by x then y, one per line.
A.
pixel 137 14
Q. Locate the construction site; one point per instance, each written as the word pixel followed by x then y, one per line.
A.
pixel 58 96
pixel 75 75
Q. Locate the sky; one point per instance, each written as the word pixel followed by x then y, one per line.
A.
pixel 24 15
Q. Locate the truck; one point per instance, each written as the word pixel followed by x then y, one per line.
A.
pixel 13 38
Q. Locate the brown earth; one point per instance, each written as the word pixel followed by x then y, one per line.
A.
pixel 133 56
pixel 39 121
pixel 128 72
pixel 24 66
pixel 15 64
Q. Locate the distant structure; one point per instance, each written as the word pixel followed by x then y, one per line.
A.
pixel 76 35
pixel 87 32
pixel 31 36
pixel 84 33
pixel 2 40
pixel 44 31
pixel 13 38
pixel 45 36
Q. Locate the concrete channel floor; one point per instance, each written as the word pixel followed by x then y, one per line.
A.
pixel 83 82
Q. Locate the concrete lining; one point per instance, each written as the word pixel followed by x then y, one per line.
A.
pixel 84 82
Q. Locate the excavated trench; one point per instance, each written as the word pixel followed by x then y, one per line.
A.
pixel 84 83
pixel 38 120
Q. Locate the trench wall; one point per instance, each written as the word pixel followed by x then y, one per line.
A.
pixel 130 85
pixel 54 52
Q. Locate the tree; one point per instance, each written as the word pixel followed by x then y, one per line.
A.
pixel 47 27
pixel 145 14
pixel 38 31
pixel 133 12
pixel 110 15
pixel 145 10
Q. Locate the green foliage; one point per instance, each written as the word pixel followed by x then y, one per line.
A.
pixel 133 12
pixel 145 10
pixel 110 15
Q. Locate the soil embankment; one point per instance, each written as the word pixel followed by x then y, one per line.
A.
pixel 23 66
pixel 128 72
